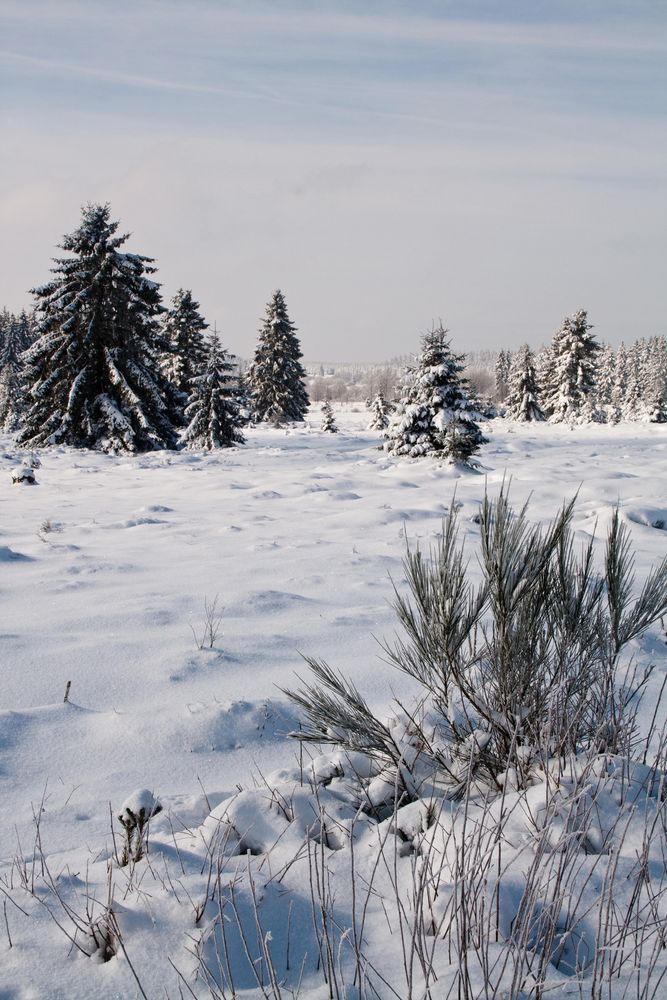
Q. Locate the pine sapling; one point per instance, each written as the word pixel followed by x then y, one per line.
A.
pixel 328 419
pixel 135 815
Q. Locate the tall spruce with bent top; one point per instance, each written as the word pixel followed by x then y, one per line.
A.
pixel 93 374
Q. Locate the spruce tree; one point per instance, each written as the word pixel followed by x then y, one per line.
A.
pixel 656 405
pixel 16 338
pixel 569 395
pixel 275 377
pixel 503 364
pixel 328 419
pixel 435 415
pixel 604 387
pixel 649 362
pixel 523 390
pixel 243 393
pixel 635 382
pixel 543 369
pixel 4 322
pixel 213 411
pixel 658 379
pixel 186 351
pixel 93 374
pixel 380 409
pixel 618 389
pixel 26 328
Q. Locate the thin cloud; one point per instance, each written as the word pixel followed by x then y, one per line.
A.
pixel 495 173
pixel 257 20
pixel 125 79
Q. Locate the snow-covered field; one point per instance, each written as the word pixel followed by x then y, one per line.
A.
pixel 105 565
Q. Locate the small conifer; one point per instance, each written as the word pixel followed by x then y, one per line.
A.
pixel 275 379
pixel 381 409
pixel 569 395
pixel 186 352
pixel 523 390
pixel 435 415
pixel 213 412
pixel 328 419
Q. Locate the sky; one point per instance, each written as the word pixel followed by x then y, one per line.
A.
pixel 494 166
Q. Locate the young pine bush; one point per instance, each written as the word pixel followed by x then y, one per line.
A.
pixel 328 419
pixel 525 669
pixel 134 816
pixel 380 410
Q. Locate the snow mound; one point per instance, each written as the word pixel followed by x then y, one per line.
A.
pixel 237 724
pixel 270 601
pixel 136 522
pixel 651 517
pixel 267 495
pixel 24 474
pixel 9 555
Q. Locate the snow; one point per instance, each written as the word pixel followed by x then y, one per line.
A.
pixel 140 805
pixel 23 474
pixel 298 533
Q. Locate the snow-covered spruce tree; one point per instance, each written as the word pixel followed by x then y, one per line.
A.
pixel 5 319
pixel 21 327
pixel 523 391
pixel 606 374
pixel 543 369
pixel 328 419
pixel 213 411
pixel 27 328
pixel 646 381
pixel 381 409
pixel 186 351
pixel 656 405
pixel 16 338
pixel 635 382
pixel 243 394
pixel 618 390
pixel 604 388
pixel 502 371
pixel 275 379
pixel 93 374
pixel 569 393
pixel 656 380
pixel 435 415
